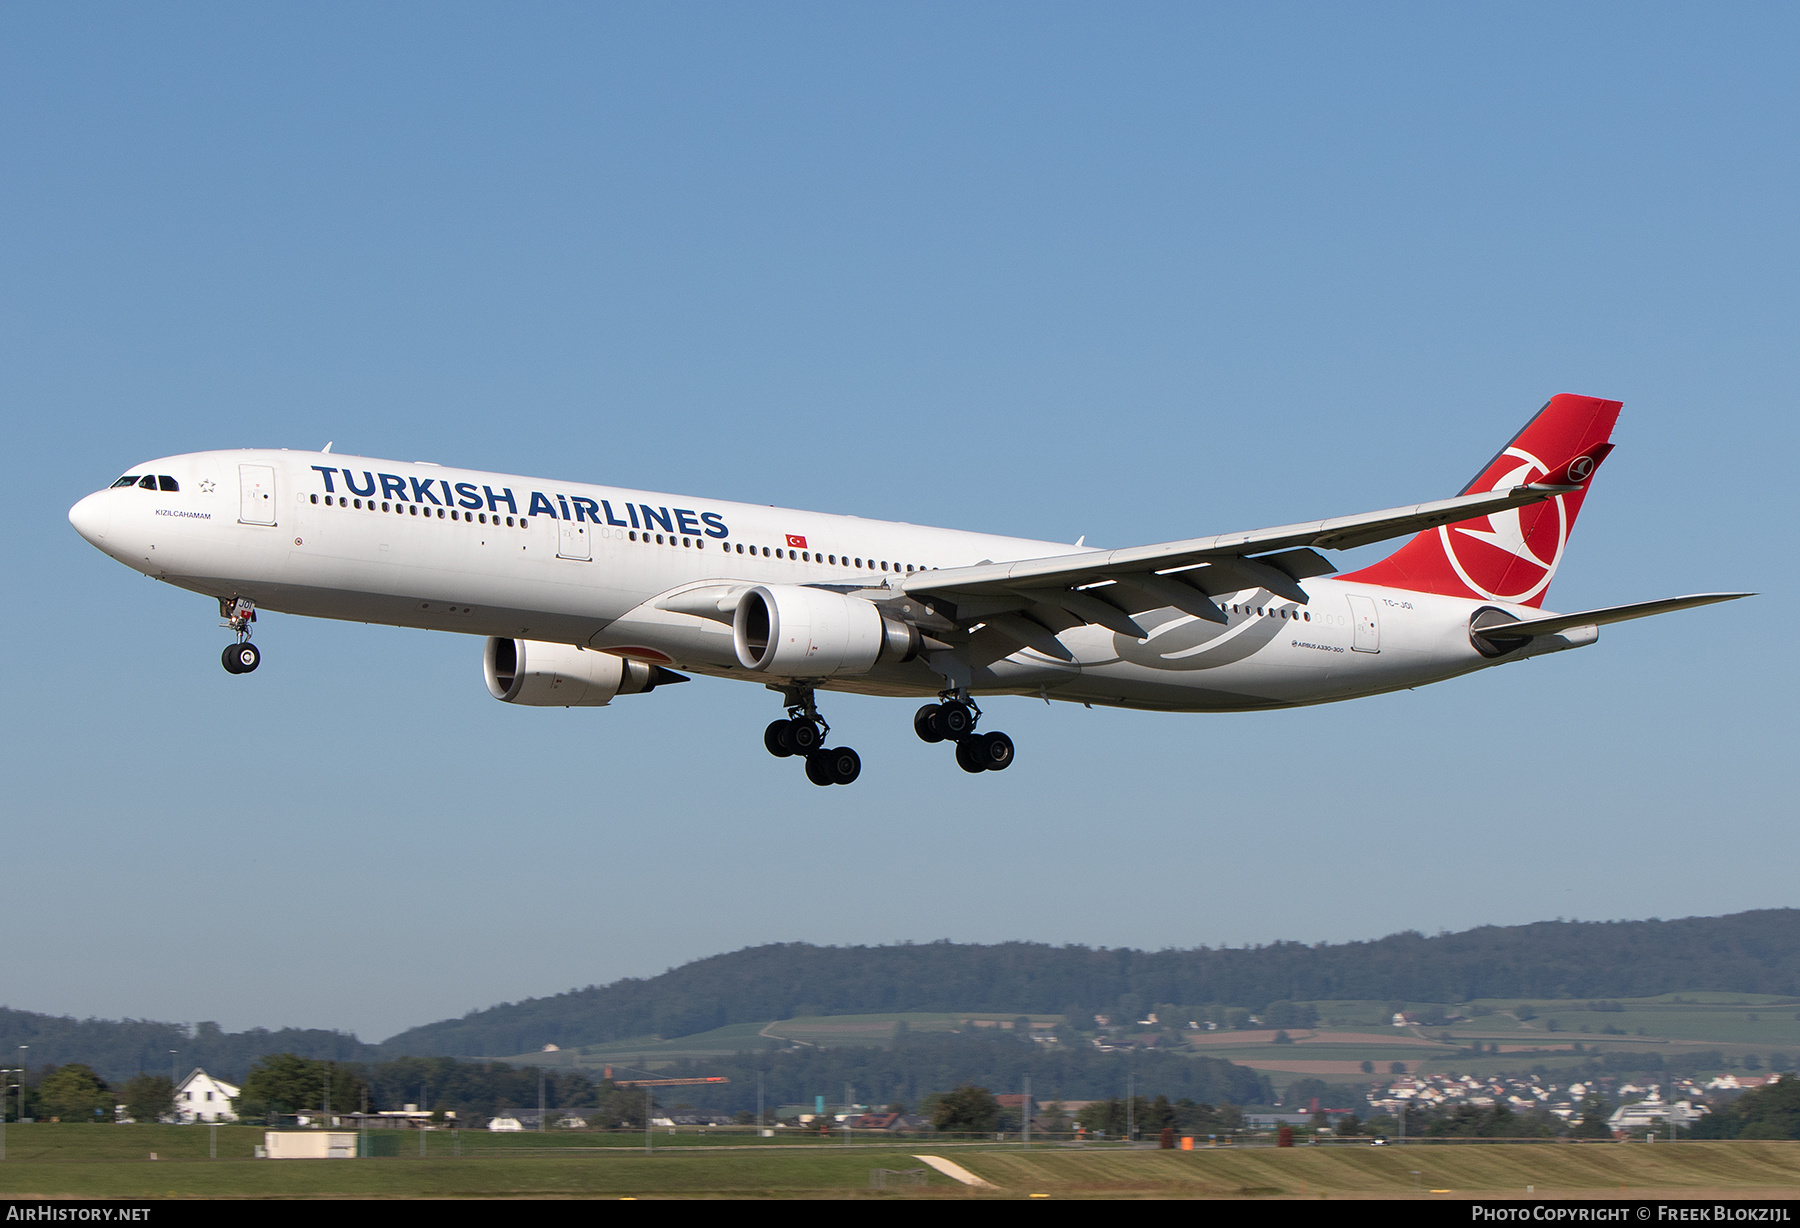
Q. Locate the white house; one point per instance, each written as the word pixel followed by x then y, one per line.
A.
pixel 200 1097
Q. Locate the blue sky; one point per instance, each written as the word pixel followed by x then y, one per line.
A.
pixel 1134 272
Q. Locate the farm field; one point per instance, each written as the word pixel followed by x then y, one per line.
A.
pixel 1528 1032
pixel 1554 1033
pixel 83 1161
pixel 778 1033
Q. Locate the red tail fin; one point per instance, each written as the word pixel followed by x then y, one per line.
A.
pixel 1511 556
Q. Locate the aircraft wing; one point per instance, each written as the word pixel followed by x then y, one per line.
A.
pixel 1105 587
pixel 1556 624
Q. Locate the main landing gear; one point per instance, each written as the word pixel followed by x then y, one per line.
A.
pixel 803 735
pixel 241 657
pixel 954 720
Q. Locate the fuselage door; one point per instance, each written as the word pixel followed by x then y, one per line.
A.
pixel 1368 628
pixel 574 540
pixel 256 494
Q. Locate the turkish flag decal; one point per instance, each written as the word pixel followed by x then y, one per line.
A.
pixel 796 541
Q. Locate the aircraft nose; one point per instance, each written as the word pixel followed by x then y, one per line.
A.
pixel 91 517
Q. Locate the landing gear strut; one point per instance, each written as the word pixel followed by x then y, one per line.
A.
pixel 803 735
pixel 241 657
pixel 954 720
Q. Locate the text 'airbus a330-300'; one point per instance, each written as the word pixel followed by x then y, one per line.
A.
pixel 586 593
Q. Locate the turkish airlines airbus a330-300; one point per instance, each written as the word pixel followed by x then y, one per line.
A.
pixel 590 592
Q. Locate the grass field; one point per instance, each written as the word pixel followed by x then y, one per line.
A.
pixel 1530 1032
pixel 83 1161
pixel 771 1034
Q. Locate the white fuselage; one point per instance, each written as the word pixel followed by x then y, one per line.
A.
pixel 419 545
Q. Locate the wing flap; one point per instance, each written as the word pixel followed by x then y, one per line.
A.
pixel 1339 533
pixel 1107 587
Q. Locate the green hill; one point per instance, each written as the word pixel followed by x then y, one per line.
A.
pixel 120 1048
pixel 1752 952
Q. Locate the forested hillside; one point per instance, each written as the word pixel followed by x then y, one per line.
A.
pixel 118 1049
pixel 1752 952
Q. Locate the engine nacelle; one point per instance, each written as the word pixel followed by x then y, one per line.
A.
pixel 800 632
pixel 541 675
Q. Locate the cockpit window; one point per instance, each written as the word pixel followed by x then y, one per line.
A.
pixel 129 479
pixel 165 482
pixel 148 482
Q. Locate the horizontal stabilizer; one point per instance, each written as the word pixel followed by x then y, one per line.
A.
pixel 1556 624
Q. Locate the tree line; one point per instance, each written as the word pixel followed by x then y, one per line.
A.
pixel 117 1049
pixel 911 1071
pixel 75 1092
pixel 1770 1112
pixel 918 1064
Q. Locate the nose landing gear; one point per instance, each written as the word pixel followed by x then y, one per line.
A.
pixel 241 657
pixel 803 735
pixel 954 720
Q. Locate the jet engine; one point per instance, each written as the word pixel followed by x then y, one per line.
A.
pixel 800 632
pixel 541 675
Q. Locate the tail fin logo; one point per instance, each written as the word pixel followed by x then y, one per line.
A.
pixel 1512 556
pixel 1519 532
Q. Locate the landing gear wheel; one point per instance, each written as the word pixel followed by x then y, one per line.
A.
pixel 958 719
pixel 928 723
pixel 969 756
pixel 844 764
pixel 775 738
pixel 240 658
pixel 818 768
pixel 804 735
pixel 996 750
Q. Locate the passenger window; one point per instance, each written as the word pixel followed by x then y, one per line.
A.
pixel 414 509
pixel 165 482
pixel 128 480
pixel 147 482
pixel 765 551
pixel 483 516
